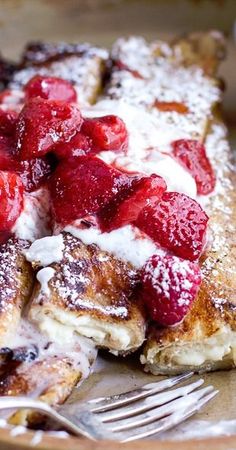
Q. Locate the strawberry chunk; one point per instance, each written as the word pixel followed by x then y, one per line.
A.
pixel 42 124
pixel 177 222
pixel 126 208
pixel 77 146
pixel 82 186
pixel 34 173
pixel 50 88
pixel 106 133
pixel 11 200
pixel 192 155
pixel 7 122
pixel 178 107
pixel 169 287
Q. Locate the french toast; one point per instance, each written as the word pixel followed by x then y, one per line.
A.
pixel 89 292
pixel 16 284
pixel 205 339
pixel 82 65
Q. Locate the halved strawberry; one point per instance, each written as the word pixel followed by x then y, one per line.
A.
pixel 106 133
pixel 50 88
pixel 44 123
pixel 177 222
pixel 192 155
pixel 11 200
pixel 82 186
pixel 134 197
pixel 169 287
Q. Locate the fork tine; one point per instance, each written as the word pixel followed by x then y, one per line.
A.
pixel 106 403
pixel 170 421
pixel 159 412
pixel 149 403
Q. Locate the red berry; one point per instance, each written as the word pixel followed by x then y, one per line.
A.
pixel 77 146
pixel 192 155
pixel 44 123
pixel 7 122
pixel 106 133
pixel 34 173
pixel 50 88
pixel 134 197
pixel 177 222
pixel 11 199
pixel 169 287
pixel 82 186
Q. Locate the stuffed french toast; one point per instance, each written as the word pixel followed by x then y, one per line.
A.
pixel 118 181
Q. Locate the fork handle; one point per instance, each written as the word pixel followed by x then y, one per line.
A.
pixel 37 405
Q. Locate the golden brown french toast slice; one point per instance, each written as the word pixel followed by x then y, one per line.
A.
pixel 43 369
pixel 176 83
pixel 82 65
pixel 16 284
pixel 90 292
pixel 206 339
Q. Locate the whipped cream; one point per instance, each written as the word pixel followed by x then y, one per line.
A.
pixel 126 243
pixel 34 221
pixel 46 251
pixel 44 276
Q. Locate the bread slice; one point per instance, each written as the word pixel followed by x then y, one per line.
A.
pixel 16 284
pixel 176 84
pixel 89 292
pixel 82 65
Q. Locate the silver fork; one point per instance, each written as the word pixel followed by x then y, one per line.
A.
pixel 137 414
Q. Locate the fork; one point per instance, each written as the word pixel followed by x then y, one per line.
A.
pixel 137 414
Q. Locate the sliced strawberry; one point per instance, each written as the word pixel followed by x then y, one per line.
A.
pixel 177 222
pixel 133 198
pixel 77 146
pixel 8 122
pixel 169 287
pixel 192 155
pixel 82 186
pixel 44 123
pixel 106 133
pixel 178 107
pixel 50 88
pixel 11 200
pixel 34 173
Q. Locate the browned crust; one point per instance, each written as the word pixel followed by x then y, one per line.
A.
pixel 215 305
pixel 91 282
pixel 16 283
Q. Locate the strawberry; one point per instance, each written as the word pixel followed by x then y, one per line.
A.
pixel 50 88
pixel 133 198
pixel 192 155
pixel 82 186
pixel 106 133
pixel 11 200
pixel 177 222
pixel 44 123
pixel 79 145
pixel 169 287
